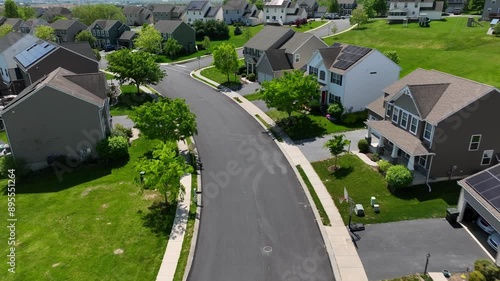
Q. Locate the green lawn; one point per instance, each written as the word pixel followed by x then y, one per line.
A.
pixel 310 25
pixel 127 100
pixel 254 96
pixel 3 136
pixel 362 182
pixel 216 75
pixel 70 229
pixel 308 126
pixel 109 76
pixel 447 46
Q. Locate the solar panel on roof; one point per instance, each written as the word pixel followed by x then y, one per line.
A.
pixel 45 44
pixel 495 171
pixel 34 53
pixel 487 184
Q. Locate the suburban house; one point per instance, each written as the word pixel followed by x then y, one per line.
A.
pixel 202 10
pixel 53 12
pixel 241 11
pixel 452 5
pixel 282 11
pixel 107 32
pixel 320 12
pixel 491 10
pixel 73 118
pixel 167 12
pixel 29 26
pixel 311 6
pixel 41 58
pixel 14 22
pixel 400 10
pixel 438 125
pixel 352 75
pixel 137 15
pixel 10 45
pixel 293 54
pixel 127 39
pixel 66 30
pixel 346 7
pixel 180 31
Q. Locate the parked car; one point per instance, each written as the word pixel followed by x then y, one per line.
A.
pixel 332 16
pixel 494 240
pixel 108 48
pixel 484 225
pixel 457 11
pixel 346 17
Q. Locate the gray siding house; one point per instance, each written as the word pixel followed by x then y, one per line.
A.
pixel 15 23
pixel 137 15
pixel 107 32
pixel 438 125
pixel 491 10
pixel 167 12
pixel 30 25
pixel 66 30
pixel 311 6
pixel 53 12
pixel 234 10
pixel 180 31
pixel 73 118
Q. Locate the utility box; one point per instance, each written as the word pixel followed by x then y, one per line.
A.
pixel 359 210
pixel 376 208
pixel 373 201
pixel 452 216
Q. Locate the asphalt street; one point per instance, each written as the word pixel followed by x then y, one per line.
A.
pixel 391 250
pixel 256 223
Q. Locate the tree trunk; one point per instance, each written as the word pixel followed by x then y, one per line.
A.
pixel 228 77
pixel 138 88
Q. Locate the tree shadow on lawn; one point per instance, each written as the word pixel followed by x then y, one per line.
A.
pixel 448 191
pixel 342 172
pixel 160 218
pixel 234 86
pixel 301 127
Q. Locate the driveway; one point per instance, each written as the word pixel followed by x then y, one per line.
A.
pixel 391 250
pixel 123 120
pixel 327 29
pixel 313 148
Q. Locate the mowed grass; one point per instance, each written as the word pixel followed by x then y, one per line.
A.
pixel 127 100
pixel 70 229
pixel 449 46
pixel 362 182
pixel 3 136
pixel 310 25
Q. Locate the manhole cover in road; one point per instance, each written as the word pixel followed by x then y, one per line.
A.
pixel 267 250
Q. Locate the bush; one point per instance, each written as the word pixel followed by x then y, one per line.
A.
pixel 398 176
pixel 375 157
pixel 119 130
pixel 476 276
pixel 303 21
pixel 383 166
pixel 335 110
pixel 315 107
pixel 8 163
pixel 488 269
pixel 237 31
pixel 113 148
pixel 363 146
pixel 242 69
pixel 251 77
pixel 354 117
pixel 298 22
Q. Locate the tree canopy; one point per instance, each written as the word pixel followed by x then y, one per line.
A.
pixel 336 146
pixel 206 43
pixel 10 9
pixel 290 92
pixel 45 32
pixel 4 29
pixel 149 40
pixel 172 48
pixel 26 12
pixel 140 67
pixel 475 5
pixel 216 30
pixel 333 6
pixel 359 17
pixel 86 35
pixel 226 58
pixel 90 13
pixel 166 120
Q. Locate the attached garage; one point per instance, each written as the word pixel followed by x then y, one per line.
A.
pixel 481 191
pixel 262 76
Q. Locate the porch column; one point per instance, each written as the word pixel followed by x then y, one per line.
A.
pixel 380 146
pixel 381 141
pixel 411 163
pixel 394 154
pixel 369 133
pixel 247 67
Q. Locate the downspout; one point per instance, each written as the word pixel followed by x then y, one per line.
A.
pixel 429 173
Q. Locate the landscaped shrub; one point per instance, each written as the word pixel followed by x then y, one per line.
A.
pixel 112 148
pixel 335 110
pixel 8 163
pixel 375 157
pixel 251 77
pixel 363 146
pixel 398 176
pixel 298 22
pixel 488 269
pixel 383 166
pixel 476 276
pixel 242 69
pixel 119 130
pixel 354 117
pixel 237 31
pixel 315 107
pixel 303 21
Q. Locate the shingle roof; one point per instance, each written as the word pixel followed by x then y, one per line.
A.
pixel 426 96
pixel 104 24
pixel 401 138
pixel 127 35
pixel 212 11
pixel 276 3
pixel 196 5
pixel 377 106
pixel 131 10
pixel 162 8
pixel 62 24
pixel 82 48
pixel 235 5
pixel 297 40
pixel 57 11
pixel 13 43
pixel 268 36
pixel 309 3
pixel 32 23
pixel 341 52
pixel 459 93
pixel 15 22
pixel 278 60
pixel 167 26
pixel 9 39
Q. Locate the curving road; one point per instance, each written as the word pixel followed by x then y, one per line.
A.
pixel 256 223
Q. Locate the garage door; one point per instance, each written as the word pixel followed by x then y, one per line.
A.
pixel 263 77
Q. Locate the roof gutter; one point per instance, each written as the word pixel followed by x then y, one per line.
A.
pixel 429 173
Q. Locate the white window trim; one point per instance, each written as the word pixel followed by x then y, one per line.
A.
pixel 297 58
pixel 478 142
pixel 425 162
pixel 489 153
pixel 394 114
pixel 432 131
pixel 403 113
pixel 416 125
pixel 389 107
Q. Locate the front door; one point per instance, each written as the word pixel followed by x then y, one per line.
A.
pixel 323 97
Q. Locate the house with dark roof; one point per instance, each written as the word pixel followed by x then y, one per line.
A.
pixel 14 22
pixel 53 12
pixel 202 10
pixel 293 54
pixel 107 32
pixel 281 12
pixel 167 12
pixel 252 16
pixel 127 38
pixel 62 114
pixel 437 124
pixel 491 10
pixel 311 6
pixel 137 15
pixel 180 31
pixel 241 11
pixel 341 67
pixel 347 6
pixel 29 26
pixel 66 30
pixel 320 12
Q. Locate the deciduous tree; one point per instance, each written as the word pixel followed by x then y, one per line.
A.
pixel 333 6
pixel 89 13
pixel 85 35
pixel 380 7
pixel 166 120
pixel 58 17
pixel 4 29
pixel 368 7
pixel 172 48
pixel 359 17
pixel 26 12
pixel 476 5
pixel 10 9
pixel 140 67
pixel 336 146
pixel 226 58
pixel 45 32
pixel 206 43
pixel 149 40
pixel 496 29
pixel 290 92
pixel 247 33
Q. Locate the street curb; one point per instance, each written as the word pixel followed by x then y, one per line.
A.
pixel 314 29
pixel 343 31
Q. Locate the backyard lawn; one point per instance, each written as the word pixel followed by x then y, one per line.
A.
pixel 127 100
pixel 362 182
pixel 94 224
pixel 449 46
pixel 310 25
pixel 3 136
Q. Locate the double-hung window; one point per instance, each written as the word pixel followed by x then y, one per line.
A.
pixel 404 119
pixel 395 115
pixel 487 155
pixel 413 125
pixel 475 140
pixel 429 129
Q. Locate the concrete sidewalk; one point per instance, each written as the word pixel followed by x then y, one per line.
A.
pixel 344 257
pixel 176 238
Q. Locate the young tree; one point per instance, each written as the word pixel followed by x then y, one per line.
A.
pixel 97 54
pixel 290 92
pixel 247 34
pixel 140 67
pixel 334 28
pixel 45 32
pixel 206 43
pixel 164 170
pixel 4 29
pixel 172 48
pixel 226 58
pixel 333 6
pixel 380 7
pixel 10 9
pixel 368 7
pixel 26 12
pixel 58 17
pixel 149 40
pixel 166 120
pixel 336 146
pixel 85 35
pixel 496 29
pixel 359 17
pixel 89 13
pixel 393 55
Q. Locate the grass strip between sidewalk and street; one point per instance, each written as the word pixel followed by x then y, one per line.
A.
pixel 321 210
pixel 270 128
